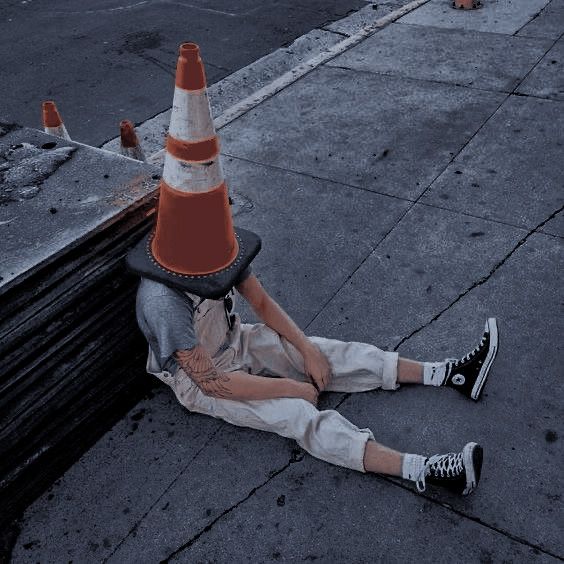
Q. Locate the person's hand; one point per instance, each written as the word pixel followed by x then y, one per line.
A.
pixel 317 367
pixel 308 392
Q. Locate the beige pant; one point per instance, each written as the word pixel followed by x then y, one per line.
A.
pixel 257 349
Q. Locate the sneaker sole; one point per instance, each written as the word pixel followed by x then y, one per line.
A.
pixel 473 455
pixel 491 327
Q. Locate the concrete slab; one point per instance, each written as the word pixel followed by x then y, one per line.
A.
pixel 391 136
pixel 511 170
pixel 299 217
pixel 429 259
pixel 467 58
pixel 235 463
pixel 56 193
pixel 317 513
pixel 547 78
pixel 549 22
pixel 496 16
pixel 519 421
pixel 98 501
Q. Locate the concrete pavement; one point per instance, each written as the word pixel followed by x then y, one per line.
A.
pixel 405 191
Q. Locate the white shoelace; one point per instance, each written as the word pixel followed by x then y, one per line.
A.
pixel 455 363
pixel 443 466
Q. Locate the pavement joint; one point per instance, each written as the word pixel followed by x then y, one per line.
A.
pixel 212 435
pixel 427 80
pixel 316 177
pixel 472 518
pixel 210 525
pixel 483 279
pixel 533 18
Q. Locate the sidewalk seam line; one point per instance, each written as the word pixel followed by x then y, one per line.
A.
pixel 209 526
pixel 140 519
pixel 444 82
pixel 476 520
pixel 484 278
pixel 386 195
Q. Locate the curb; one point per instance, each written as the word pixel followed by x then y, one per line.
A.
pixel 248 87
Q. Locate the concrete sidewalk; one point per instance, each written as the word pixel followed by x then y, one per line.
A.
pixel 405 191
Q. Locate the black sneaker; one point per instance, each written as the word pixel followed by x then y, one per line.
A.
pixel 459 473
pixel 468 375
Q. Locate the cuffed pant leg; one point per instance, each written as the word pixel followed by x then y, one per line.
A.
pixel 327 435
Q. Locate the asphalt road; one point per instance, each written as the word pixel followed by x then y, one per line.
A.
pixel 106 60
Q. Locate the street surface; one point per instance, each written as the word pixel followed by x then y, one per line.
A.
pixel 107 60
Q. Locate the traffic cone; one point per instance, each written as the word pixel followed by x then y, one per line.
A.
pixel 194 233
pixel 466 4
pixel 129 143
pixel 52 122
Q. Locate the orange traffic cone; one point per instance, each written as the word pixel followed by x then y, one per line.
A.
pixel 129 143
pixel 194 245
pixel 52 122
pixel 466 4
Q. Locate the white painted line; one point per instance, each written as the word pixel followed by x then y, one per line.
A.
pixel 293 75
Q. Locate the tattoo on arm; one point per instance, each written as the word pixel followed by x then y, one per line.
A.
pixel 199 366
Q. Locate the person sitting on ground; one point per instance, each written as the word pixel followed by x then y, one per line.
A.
pixel 269 375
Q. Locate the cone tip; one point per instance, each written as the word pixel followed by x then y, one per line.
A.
pixel 51 116
pixel 190 74
pixel 189 49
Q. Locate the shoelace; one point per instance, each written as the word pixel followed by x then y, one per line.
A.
pixel 442 466
pixel 457 362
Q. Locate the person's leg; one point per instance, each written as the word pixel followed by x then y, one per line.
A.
pixel 467 375
pixel 410 371
pixel 325 434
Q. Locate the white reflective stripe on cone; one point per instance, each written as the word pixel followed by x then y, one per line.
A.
pixel 192 177
pixel 190 118
pixel 59 131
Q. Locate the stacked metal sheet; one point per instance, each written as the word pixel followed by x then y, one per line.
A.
pixel 71 356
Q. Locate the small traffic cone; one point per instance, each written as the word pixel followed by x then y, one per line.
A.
pixel 129 143
pixel 466 4
pixel 194 234
pixel 52 122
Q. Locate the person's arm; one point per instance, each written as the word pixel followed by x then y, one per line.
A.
pixel 272 314
pixel 316 365
pixel 238 385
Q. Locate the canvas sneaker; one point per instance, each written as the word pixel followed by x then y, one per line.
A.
pixel 468 374
pixel 459 472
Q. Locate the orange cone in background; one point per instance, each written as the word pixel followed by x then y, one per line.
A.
pixel 466 4
pixel 52 122
pixel 129 143
pixel 194 234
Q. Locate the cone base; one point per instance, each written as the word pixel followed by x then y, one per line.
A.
pixel 141 261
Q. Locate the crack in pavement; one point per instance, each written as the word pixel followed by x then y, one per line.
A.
pixel 476 520
pixel 157 500
pixel 483 279
pixel 210 525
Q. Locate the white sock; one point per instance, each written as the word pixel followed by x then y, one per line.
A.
pixel 412 466
pixel 434 373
